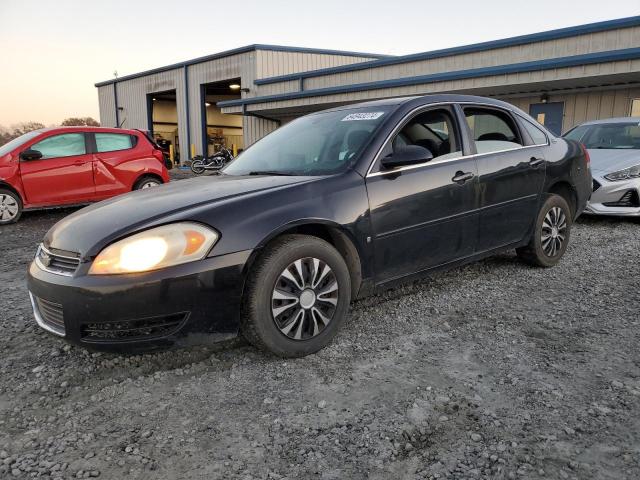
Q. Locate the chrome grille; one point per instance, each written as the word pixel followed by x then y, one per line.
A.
pixel 55 262
pixel 49 315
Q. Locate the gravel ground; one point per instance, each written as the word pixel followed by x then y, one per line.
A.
pixel 494 370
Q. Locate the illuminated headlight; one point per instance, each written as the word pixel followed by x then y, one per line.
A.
pixel 156 248
pixel 626 174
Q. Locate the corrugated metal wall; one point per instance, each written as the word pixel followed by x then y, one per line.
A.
pixel 594 42
pixel 132 94
pixel 274 63
pixel 106 102
pixel 580 107
pixel 226 68
pixel 256 128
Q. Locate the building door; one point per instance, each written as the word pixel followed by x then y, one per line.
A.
pixel 549 114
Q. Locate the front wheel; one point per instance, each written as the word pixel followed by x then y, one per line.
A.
pixel 297 296
pixel 197 167
pixel 551 235
pixel 10 207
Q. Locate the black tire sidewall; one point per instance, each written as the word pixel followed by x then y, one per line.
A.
pixel 4 191
pixel 550 202
pixel 267 271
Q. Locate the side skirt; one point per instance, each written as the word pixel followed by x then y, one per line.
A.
pixel 391 283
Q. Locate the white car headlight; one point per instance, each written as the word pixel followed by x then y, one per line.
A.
pixel 156 248
pixel 626 174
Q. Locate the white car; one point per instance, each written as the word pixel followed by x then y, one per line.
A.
pixel 614 148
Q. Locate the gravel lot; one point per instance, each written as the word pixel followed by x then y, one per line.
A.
pixel 495 370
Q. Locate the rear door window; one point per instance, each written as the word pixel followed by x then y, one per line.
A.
pixel 63 145
pixel 493 130
pixel 112 142
pixel 536 134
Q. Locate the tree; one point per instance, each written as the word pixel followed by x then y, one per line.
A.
pixel 6 134
pixel 25 127
pixel 80 122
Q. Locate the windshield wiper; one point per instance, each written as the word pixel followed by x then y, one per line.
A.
pixel 270 172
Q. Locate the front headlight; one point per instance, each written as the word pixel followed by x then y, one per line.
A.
pixel 155 248
pixel 626 174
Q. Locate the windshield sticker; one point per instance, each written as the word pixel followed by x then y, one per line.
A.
pixel 362 116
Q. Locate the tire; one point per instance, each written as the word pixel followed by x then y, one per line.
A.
pixel 197 167
pixel 274 324
pixel 547 252
pixel 10 207
pixel 146 182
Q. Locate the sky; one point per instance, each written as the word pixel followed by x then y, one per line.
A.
pixel 53 51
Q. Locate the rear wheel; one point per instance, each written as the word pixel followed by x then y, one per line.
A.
pixel 10 207
pixel 297 297
pixel 197 167
pixel 552 233
pixel 146 182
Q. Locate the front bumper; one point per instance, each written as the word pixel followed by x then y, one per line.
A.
pixel 190 304
pixel 608 193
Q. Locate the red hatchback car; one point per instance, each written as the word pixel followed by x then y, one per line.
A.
pixel 75 165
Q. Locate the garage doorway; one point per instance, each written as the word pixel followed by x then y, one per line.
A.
pixel 220 130
pixel 549 114
pixel 162 109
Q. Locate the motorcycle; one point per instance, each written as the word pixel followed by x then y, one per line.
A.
pixel 201 164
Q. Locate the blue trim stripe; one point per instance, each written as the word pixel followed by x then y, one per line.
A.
pixel 237 51
pixel 576 60
pixel 477 47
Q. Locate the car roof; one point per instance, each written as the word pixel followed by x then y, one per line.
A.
pixel 87 129
pixel 629 120
pixel 426 100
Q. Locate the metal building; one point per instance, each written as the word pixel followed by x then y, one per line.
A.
pixel 562 77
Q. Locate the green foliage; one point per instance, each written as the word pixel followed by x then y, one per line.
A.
pixel 80 122
pixel 8 134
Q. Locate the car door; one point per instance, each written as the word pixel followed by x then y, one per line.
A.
pixel 116 162
pixel 511 176
pixel 423 215
pixel 63 175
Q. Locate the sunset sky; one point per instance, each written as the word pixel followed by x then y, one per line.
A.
pixel 54 51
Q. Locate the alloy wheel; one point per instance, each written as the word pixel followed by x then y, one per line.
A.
pixel 554 227
pixel 149 184
pixel 304 298
pixel 8 207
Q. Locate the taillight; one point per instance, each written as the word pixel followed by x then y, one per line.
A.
pixel 158 154
pixel 587 158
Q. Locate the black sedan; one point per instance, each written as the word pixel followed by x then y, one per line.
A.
pixel 332 206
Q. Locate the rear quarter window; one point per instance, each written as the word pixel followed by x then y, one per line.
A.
pixel 113 142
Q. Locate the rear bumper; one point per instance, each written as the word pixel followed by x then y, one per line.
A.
pixel 195 303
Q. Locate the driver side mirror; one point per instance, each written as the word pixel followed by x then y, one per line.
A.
pixel 409 155
pixel 30 155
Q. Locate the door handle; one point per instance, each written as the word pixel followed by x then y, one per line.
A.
pixel 462 177
pixel 534 162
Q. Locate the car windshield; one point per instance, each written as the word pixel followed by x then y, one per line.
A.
pixel 610 136
pixel 318 144
pixel 16 142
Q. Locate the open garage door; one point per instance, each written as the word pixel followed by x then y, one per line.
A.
pixel 220 130
pixel 163 122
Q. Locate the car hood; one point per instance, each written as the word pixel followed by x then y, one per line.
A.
pixel 93 227
pixel 607 161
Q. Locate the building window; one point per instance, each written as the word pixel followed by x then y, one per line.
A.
pixel 635 107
